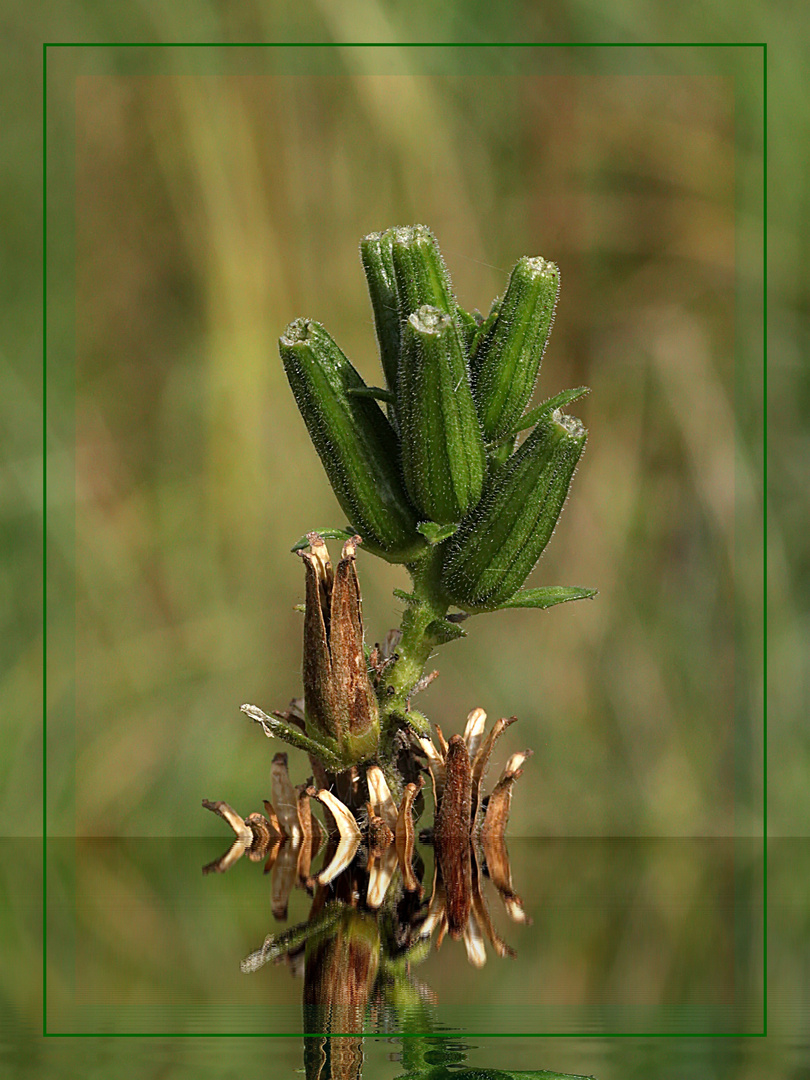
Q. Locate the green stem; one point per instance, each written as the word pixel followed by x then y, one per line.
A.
pixel 428 605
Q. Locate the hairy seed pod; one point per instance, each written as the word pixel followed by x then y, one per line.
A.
pixel 419 270
pixel 498 544
pixel 507 356
pixel 355 441
pixel 443 456
pixel 378 264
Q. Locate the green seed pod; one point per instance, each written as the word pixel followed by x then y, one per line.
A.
pixel 498 544
pixel 421 276
pixel 356 443
pixel 378 264
pixel 442 450
pixel 507 356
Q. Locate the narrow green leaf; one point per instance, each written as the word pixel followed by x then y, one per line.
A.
pixel 435 533
pixel 327 534
pixel 375 392
pixel 547 596
pixel 559 401
pixel 469 323
pixel 442 631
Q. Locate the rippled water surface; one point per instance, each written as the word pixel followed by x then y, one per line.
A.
pixel 626 937
pixel 647 934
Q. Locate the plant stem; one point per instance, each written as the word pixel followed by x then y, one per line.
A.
pixel 428 605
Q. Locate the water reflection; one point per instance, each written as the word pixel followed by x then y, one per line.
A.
pixel 371 923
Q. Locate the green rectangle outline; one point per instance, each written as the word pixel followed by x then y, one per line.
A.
pixel 406 44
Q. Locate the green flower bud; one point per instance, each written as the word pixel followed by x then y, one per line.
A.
pixel 355 441
pixel 378 264
pixel 340 705
pixel 498 544
pixel 442 450
pixel 507 355
pixel 421 276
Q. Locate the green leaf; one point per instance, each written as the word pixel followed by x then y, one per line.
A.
pixel 327 534
pixel 375 392
pixel 409 598
pixel 559 401
pixel 469 325
pixel 442 631
pixel 547 596
pixel 435 533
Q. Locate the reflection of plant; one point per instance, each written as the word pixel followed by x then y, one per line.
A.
pixel 370 923
pixel 469 838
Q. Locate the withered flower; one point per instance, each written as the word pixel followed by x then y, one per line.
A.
pixel 340 704
pixel 465 836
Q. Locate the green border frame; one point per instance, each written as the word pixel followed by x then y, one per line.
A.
pixel 404 44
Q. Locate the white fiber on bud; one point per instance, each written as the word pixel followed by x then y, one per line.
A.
pixel 571 424
pixel 429 320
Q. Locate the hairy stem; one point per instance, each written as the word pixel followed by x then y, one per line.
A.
pixel 427 606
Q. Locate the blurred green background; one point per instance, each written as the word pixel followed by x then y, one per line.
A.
pixel 219 194
pixel 639 223
pixel 200 199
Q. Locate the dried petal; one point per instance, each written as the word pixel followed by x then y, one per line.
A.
pixel 285 798
pixel 474 942
pixel 482 759
pixel 380 872
pixel 405 836
pixel 483 918
pixel 323 568
pixel 285 875
pixel 436 768
pixel 305 820
pixel 272 817
pixel 497 814
pixel 382 802
pixel 474 731
pixel 349 835
pixel 263 836
pixel 493 844
pixel 226 861
pixel 440 739
pixel 236 821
